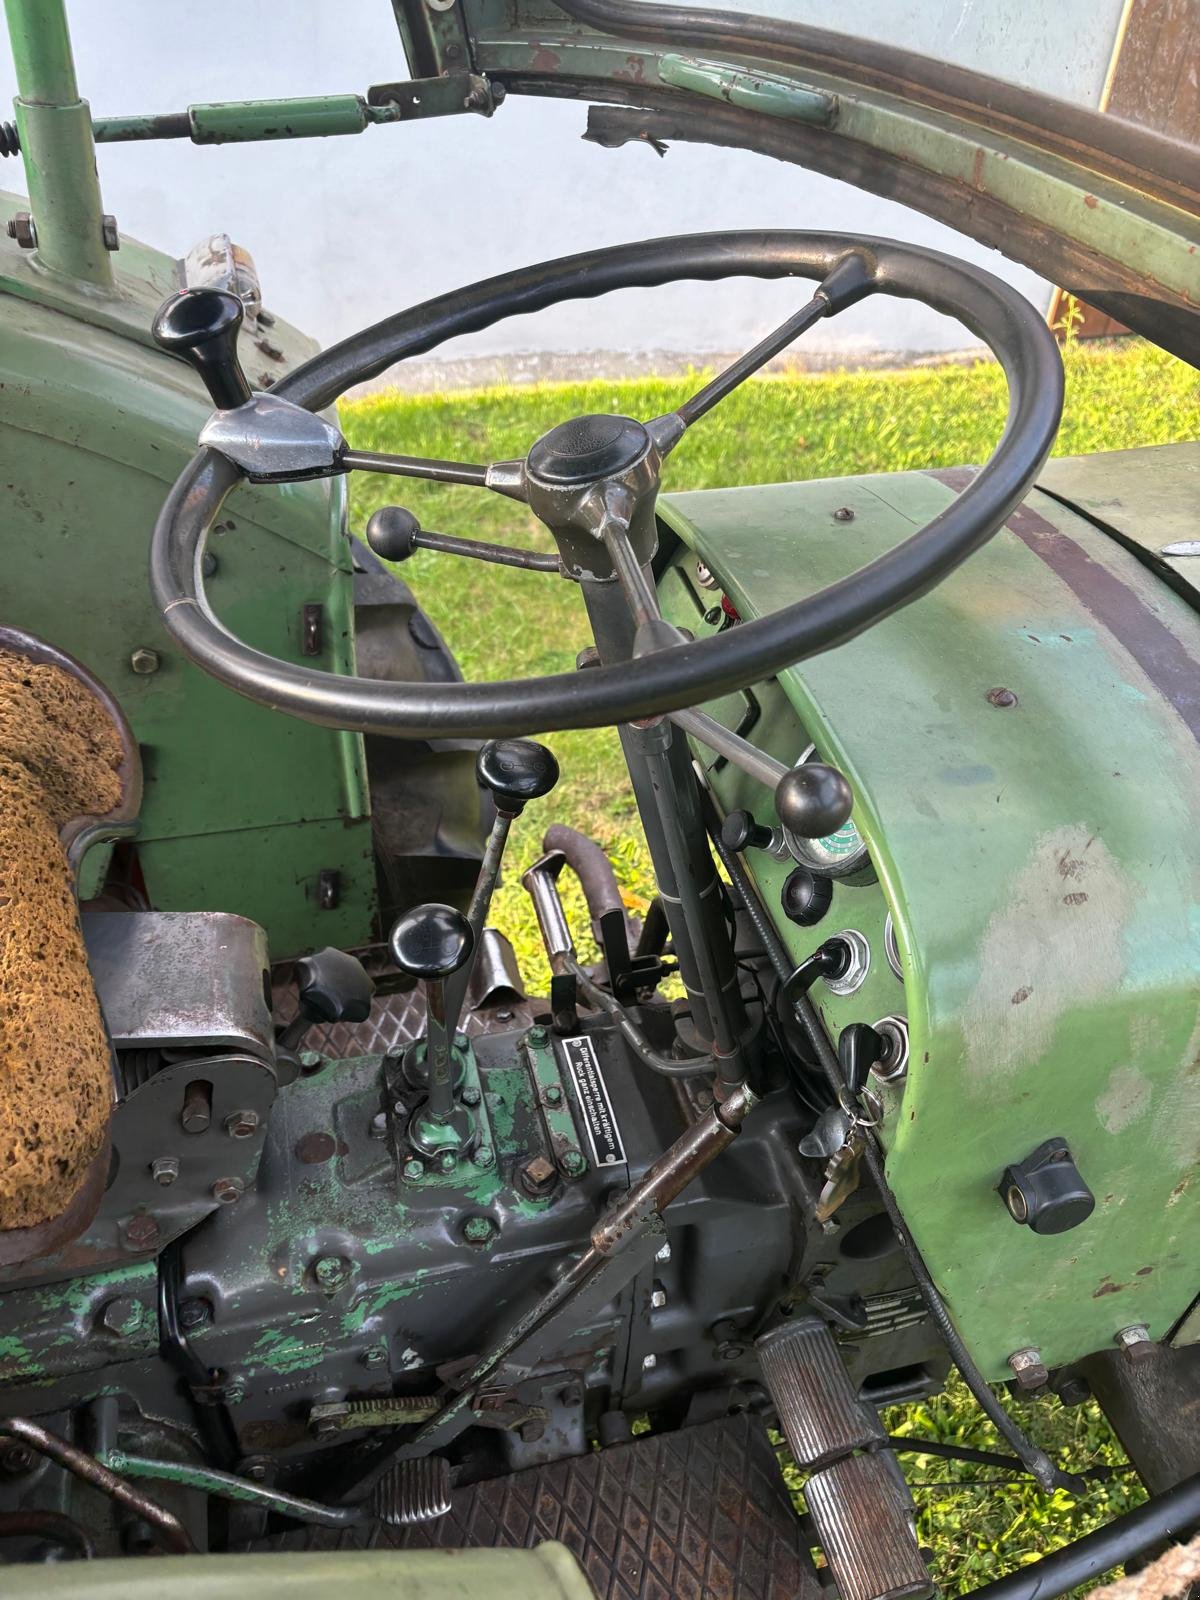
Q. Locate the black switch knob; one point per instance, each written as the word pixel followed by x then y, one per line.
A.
pixel 392 533
pixel 431 942
pixel 805 897
pixel 1046 1191
pixel 813 800
pixel 201 325
pixel 740 832
pixel 334 987
pixel 859 1048
pixel 516 771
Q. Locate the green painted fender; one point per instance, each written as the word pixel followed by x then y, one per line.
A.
pixel 1036 850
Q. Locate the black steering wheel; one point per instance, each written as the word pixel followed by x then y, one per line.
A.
pixel 592 480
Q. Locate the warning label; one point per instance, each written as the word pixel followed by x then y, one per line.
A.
pixel 591 1096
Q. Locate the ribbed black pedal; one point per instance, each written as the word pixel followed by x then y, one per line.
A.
pixel 856 1497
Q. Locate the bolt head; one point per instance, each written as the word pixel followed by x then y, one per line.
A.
pixel 572 1164
pixel 23 229
pixel 376 1356
pixel 241 1124
pixel 478 1230
pixel 658 1299
pixel 330 1271
pixel 663 1254
pixel 536 1037
pixel 15 1458
pixel 649 1363
pixel 141 1231
pixel 195 1313
pixel 164 1169
pixel 447 1161
pixel 470 1095
pixel 413 1169
pixel 843 514
pixel 538 1175
pixel 484 1156
pixel 553 1094
pixel 378 1127
pixel 704 576
pixel 122 1315
pixel 226 1191
pixel 144 662
pixel 1002 699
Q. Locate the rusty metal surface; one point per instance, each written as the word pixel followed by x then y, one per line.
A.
pixel 702 1514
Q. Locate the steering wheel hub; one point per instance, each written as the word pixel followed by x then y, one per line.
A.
pixel 587 449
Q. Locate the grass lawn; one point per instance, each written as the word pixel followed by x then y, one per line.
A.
pixel 503 622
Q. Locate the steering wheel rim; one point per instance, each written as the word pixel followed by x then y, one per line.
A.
pixel 688 673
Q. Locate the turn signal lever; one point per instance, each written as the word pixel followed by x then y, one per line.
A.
pixel 268 437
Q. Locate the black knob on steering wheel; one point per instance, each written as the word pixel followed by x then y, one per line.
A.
pixel 202 326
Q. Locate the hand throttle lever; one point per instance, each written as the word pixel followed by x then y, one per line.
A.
pixel 431 943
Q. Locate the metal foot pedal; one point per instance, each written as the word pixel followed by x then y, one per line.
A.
pixel 412 1491
pixel 856 1496
pixel 702 1514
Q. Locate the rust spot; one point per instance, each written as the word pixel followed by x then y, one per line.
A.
pixel 313 1148
pixel 1090 201
pixel 1004 698
pixel 1069 866
pixel 1143 1272
pixel 977 169
pixel 544 60
pixel 1077 899
pixel 1181 1187
pixel 1022 994
pixel 1107 1287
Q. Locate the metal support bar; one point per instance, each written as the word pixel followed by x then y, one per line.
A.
pixel 55 131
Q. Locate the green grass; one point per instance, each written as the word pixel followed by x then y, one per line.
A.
pixel 502 622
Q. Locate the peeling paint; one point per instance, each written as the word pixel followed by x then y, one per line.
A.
pixel 1125 1097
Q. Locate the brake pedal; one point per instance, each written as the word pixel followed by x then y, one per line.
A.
pixel 412 1491
pixel 856 1496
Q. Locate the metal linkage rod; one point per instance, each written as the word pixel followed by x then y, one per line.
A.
pixel 226 1486
pixel 756 763
pixel 414 467
pixel 171 1532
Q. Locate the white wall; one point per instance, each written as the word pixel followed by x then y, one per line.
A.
pixel 345 230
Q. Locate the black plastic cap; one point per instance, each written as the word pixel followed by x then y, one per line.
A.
pixel 334 987
pixel 1046 1191
pixel 805 897
pixel 392 533
pixel 587 449
pixel 813 800
pixel 432 941
pixel 516 771
pixel 739 832
pixel 202 325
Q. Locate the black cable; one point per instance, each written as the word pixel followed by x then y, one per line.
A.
pixel 901 1445
pixel 213 1422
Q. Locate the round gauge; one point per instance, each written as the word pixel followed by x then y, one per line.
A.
pixel 838 855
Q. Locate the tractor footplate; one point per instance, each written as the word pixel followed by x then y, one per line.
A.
pixel 694 1515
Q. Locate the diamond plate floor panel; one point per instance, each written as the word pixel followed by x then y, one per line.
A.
pixel 702 1514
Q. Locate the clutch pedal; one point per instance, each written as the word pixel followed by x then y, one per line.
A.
pixel 856 1496
pixel 412 1491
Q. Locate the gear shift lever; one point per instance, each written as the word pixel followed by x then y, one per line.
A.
pixel 432 943
pixel 516 771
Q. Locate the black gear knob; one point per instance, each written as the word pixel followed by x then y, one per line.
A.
pixel 202 325
pixel 334 987
pixel 813 800
pixel 392 533
pixel 431 942
pixel 516 771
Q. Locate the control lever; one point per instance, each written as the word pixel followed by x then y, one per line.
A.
pixel 740 832
pixel 813 800
pixel 516 771
pixel 270 438
pixel 334 987
pixel 432 943
pixel 829 960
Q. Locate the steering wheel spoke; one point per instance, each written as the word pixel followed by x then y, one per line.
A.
pixel 614 542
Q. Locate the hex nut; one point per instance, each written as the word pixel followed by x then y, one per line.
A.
pixel 23 229
pixel 378 1126
pixel 164 1169
pixel 1135 1343
pixel 195 1313
pixel 572 1164
pixel 331 1271
pixel 484 1156
pixel 228 1190
pixel 479 1230
pixel 144 661
pixel 122 1315
pixel 241 1124
pixel 658 1299
pixel 140 1232
pixel 447 1161
pixel 470 1095
pixel 110 234
pixel 1028 1369
pixel 376 1356
pixel 649 1363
